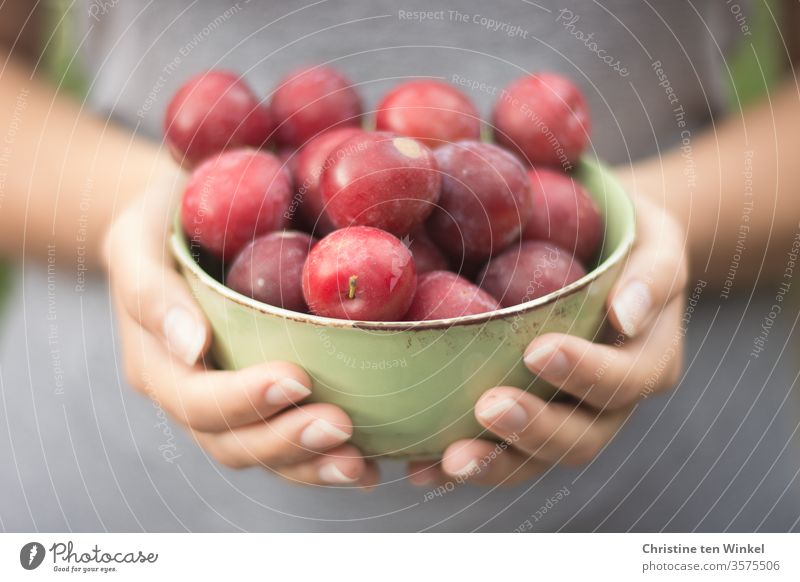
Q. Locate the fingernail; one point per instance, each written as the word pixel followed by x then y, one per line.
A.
pixel 548 361
pixel 504 414
pixel 184 336
pixel 330 473
pixel 321 434
pixel 631 306
pixel 467 470
pixel 286 391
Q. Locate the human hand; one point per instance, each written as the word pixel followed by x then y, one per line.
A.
pixel 249 417
pixel 645 309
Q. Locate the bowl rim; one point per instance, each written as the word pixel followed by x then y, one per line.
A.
pixel 181 253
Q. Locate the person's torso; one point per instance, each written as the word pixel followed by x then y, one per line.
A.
pixel 638 62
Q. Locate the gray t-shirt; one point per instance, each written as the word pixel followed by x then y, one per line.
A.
pixel 84 452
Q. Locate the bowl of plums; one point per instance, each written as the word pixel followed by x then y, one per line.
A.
pixel 404 256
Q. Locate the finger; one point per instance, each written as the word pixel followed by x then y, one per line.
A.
pixel 288 438
pixel 215 400
pixel 209 400
pixel 341 466
pixel 150 290
pixel 370 477
pixel 425 473
pixel 487 463
pixel 655 274
pixel 612 376
pixel 554 432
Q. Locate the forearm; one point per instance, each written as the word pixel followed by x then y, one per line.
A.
pixel 64 173
pixel 740 199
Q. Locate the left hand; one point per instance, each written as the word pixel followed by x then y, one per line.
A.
pixel 645 308
pixel 253 417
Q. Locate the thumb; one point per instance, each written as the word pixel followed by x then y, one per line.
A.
pixel 144 282
pixel 655 273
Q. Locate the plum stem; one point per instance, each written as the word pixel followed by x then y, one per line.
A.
pixel 351 293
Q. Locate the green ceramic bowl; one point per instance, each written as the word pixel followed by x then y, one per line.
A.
pixel 410 388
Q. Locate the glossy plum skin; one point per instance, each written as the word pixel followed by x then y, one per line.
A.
pixel 381 180
pixel 427 256
pixel 307 169
pixel 442 295
pixel 213 112
pixel 360 273
pixel 564 214
pixel 233 198
pixel 544 118
pixel 485 201
pixel 270 269
pixel 311 100
pixel 430 111
pixel 529 271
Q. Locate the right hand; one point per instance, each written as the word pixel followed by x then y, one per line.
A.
pixel 242 418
